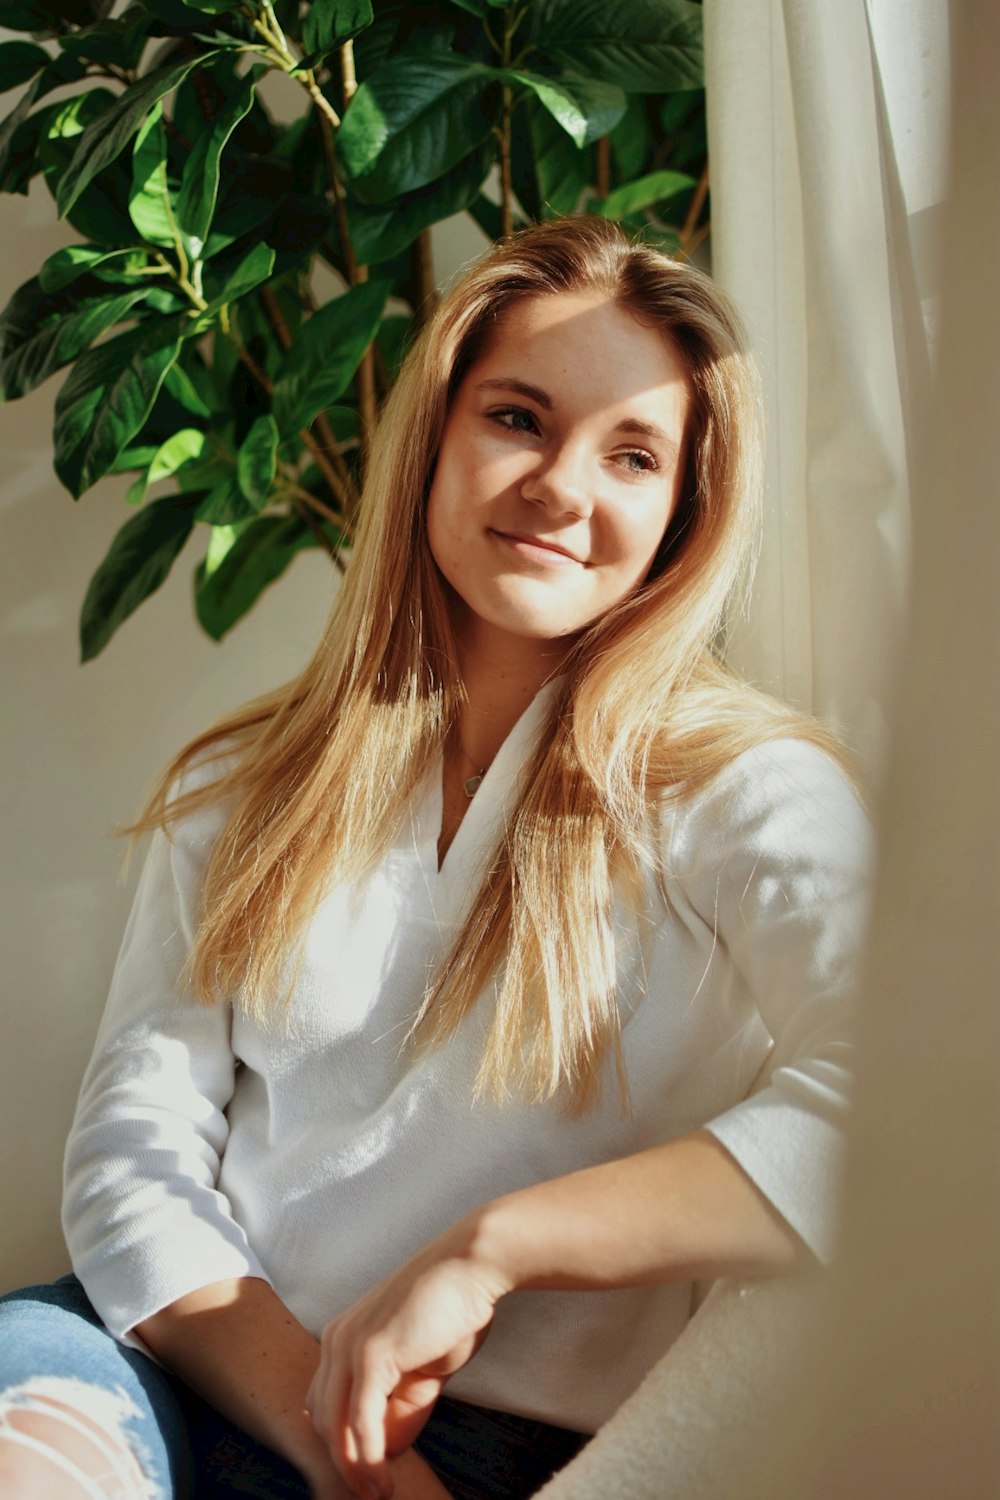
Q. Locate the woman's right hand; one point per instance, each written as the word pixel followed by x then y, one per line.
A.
pixel 385 1360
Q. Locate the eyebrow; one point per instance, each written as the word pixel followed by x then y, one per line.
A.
pixel 541 398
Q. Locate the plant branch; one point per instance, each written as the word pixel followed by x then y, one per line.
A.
pixel 265 23
pixel 336 518
pixel 603 167
pixel 366 369
pixel 699 237
pixel 696 206
pixel 506 186
pixel 422 263
pixel 325 441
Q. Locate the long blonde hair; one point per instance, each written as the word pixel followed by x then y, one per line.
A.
pixel 317 774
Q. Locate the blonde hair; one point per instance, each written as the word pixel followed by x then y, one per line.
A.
pixel 319 772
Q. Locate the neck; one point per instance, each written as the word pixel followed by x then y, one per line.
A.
pixel 500 678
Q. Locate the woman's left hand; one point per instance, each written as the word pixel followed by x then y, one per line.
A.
pixel 385 1360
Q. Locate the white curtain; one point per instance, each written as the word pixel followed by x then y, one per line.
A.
pixel 826 133
pixel 885 1383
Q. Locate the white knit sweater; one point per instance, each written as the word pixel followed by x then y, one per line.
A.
pixel 322 1153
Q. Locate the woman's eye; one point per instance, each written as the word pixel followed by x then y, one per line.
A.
pixel 638 461
pixel 514 418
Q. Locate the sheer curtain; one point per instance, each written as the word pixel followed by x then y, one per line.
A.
pixel 826 126
pixel 827 135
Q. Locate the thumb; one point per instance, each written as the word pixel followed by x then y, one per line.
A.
pixel 410 1405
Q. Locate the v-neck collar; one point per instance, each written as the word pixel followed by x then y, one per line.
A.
pixel 479 832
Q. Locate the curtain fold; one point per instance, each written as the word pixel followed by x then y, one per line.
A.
pixel 811 235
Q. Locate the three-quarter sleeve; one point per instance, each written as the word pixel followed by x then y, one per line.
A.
pixel 142 1214
pixel 774 859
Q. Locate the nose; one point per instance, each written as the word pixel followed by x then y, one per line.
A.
pixel 560 481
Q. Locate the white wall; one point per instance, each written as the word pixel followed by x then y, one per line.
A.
pixel 79 745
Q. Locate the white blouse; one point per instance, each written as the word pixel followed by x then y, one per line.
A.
pixel 319 1152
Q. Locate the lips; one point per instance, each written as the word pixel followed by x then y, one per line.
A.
pixel 525 540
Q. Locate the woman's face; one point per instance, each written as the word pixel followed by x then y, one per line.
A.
pixel 559 468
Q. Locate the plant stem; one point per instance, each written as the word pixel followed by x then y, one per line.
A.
pixel 603 167
pixel 325 434
pixel 697 204
pixel 266 27
pixel 335 517
pixel 340 207
pixel 305 511
pixel 322 460
pixel 510 24
pixel 506 186
pixel 366 369
pixel 699 237
pixel 422 263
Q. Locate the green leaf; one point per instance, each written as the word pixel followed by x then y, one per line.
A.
pixel 329 25
pixel 73 261
pixel 251 271
pixel 183 447
pixel 225 504
pixel 251 558
pixel 139 559
pixel 118 42
pixel 395 335
pixel 220 543
pixel 60 70
pixel 20 61
pixel 193 389
pixel 200 182
pixel 484 212
pixel 561 170
pixel 676 108
pixel 645 47
pixel 107 137
pixel 586 108
pixel 380 232
pixel 101 211
pixel 632 140
pixel 253 191
pixel 413 120
pixel 42 331
pixel 318 367
pixel 149 201
pixel 632 196
pixel 257 461
pixel 107 398
pixel 178 17
pixel 26 15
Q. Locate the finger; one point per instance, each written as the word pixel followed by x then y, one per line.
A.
pixel 366 1422
pixel 326 1403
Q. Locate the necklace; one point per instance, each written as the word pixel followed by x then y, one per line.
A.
pixel 472 783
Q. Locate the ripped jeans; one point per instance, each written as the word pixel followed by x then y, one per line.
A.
pixel 57 1358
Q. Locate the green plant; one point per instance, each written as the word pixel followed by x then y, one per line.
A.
pixel 208 354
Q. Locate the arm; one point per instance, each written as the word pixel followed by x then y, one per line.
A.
pixel 767 872
pixel 681 1211
pixel 237 1344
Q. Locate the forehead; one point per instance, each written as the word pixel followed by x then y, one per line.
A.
pixel 584 344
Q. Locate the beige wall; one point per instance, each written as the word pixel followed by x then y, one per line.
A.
pixel 78 746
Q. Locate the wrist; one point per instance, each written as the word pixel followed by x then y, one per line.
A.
pixel 498 1245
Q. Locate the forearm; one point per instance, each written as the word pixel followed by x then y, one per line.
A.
pixel 239 1346
pixel 677 1212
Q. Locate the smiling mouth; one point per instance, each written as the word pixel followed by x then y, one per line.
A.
pixel 537 548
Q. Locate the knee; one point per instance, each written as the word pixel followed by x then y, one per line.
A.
pixel 66 1439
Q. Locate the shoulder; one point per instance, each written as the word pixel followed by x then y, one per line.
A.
pixel 784 801
pixel 200 800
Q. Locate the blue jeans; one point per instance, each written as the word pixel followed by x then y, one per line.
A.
pixel 190 1452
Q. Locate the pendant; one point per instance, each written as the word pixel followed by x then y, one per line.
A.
pixel 473 784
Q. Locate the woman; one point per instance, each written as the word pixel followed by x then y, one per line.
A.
pixel 498 962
